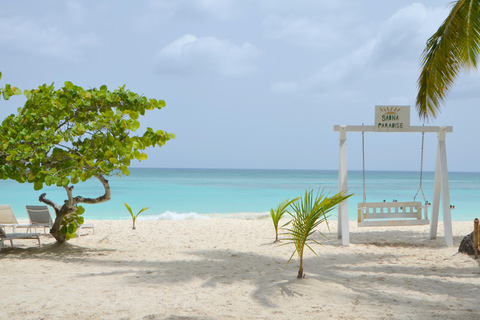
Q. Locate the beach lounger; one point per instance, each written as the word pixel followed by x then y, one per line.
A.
pixel 4 236
pixel 39 217
pixel 85 226
pixel 8 219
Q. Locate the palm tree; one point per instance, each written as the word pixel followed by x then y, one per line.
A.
pixel 455 46
pixel 134 216
pixel 278 214
pixel 307 213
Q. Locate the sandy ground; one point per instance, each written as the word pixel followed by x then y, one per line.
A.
pixel 230 269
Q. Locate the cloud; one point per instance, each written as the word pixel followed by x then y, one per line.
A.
pixel 204 55
pixel 23 34
pixel 77 13
pixel 315 7
pixel 317 23
pixel 297 29
pixel 284 87
pixel 402 37
pixel 392 51
pixel 200 9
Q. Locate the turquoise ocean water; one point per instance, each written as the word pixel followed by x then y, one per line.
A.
pixel 193 193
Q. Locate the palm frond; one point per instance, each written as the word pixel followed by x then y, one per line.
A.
pixel 278 213
pixel 455 45
pixel 307 214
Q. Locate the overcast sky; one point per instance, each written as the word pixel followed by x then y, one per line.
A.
pixel 248 83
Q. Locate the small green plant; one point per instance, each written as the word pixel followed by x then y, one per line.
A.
pixel 307 213
pixel 134 216
pixel 278 214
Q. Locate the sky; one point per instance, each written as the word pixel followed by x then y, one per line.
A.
pixel 249 83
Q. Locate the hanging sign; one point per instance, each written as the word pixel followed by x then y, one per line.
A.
pixel 392 118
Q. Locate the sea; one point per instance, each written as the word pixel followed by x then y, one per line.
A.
pixel 179 194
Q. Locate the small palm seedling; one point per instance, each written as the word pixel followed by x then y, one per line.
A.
pixel 134 216
pixel 307 213
pixel 278 214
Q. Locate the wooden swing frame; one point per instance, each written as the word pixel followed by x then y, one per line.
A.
pixel 441 188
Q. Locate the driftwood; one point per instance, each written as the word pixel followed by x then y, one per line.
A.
pixel 475 237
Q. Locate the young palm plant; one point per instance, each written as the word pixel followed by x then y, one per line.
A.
pixel 134 216
pixel 278 214
pixel 307 213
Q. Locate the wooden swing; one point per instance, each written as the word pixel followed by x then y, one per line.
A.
pixel 388 214
pixel 386 123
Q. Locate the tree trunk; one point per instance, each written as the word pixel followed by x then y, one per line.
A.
pixel 70 206
pixel 57 224
pixel 300 273
pixel 55 231
pixel 300 270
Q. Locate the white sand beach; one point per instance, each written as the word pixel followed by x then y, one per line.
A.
pixel 230 269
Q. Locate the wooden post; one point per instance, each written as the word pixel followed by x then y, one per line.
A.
pixel 436 198
pixel 343 232
pixel 447 218
pixel 475 237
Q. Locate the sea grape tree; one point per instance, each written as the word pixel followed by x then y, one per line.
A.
pixel 66 136
pixel 8 91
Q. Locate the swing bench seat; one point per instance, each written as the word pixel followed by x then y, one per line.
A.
pixel 390 214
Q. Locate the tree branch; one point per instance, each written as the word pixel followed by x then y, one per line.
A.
pixel 70 201
pixel 49 202
pixel 104 198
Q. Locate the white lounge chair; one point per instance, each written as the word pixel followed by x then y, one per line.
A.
pixel 8 219
pixel 39 217
pixel 85 226
pixel 10 236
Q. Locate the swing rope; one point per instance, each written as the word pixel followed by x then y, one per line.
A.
pixel 421 171
pixel 420 189
pixel 363 157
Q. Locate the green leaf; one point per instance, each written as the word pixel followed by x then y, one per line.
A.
pixel 125 170
pixel 128 208
pixel 134 115
pixel 65 181
pixel 38 185
pixel 136 125
pixel 72 228
pixel 80 210
pixel 143 209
